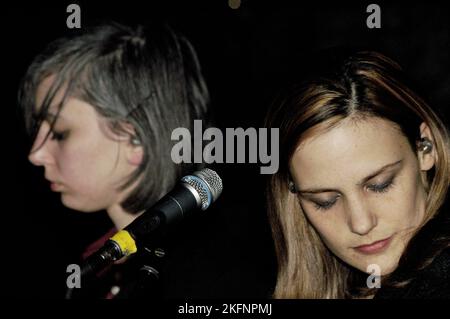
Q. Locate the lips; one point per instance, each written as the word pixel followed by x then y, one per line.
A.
pixel 375 247
pixel 55 186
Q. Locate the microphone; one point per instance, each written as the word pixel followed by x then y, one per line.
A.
pixel 198 190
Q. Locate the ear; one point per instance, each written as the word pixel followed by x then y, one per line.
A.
pixel 134 151
pixel 427 159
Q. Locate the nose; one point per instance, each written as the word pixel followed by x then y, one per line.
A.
pixel 40 154
pixel 361 218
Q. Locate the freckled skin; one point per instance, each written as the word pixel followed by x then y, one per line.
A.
pixel 339 159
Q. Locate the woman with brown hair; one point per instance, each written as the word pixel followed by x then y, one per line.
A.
pixel 364 173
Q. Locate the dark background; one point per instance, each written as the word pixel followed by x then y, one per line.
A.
pixel 248 54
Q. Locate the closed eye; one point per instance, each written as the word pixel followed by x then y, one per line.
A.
pixel 325 205
pixel 377 188
pixel 382 188
pixel 59 136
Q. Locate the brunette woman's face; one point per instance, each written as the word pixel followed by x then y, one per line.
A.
pixel 361 186
pixel 82 161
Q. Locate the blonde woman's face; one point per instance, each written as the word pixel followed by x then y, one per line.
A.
pixel 361 188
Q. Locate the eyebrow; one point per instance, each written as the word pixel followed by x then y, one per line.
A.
pixel 364 180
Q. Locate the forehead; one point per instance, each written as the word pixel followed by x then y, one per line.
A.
pixel 353 148
pixel 42 91
pixel 73 111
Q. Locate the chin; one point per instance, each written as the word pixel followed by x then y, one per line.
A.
pixel 384 267
pixel 388 268
pixel 78 205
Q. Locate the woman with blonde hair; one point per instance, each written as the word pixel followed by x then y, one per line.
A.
pixel 357 206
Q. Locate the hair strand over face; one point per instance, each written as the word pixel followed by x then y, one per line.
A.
pixel 364 85
pixel 149 78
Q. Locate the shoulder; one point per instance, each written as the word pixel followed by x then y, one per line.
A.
pixel 432 282
pixel 426 263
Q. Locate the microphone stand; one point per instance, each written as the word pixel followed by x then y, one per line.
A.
pixel 148 275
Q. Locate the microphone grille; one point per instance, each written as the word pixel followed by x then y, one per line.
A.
pixel 208 185
pixel 213 180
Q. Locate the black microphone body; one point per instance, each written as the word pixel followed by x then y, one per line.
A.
pixel 172 208
pixel 196 191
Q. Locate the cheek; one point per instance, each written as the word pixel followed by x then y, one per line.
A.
pixel 85 169
pixel 88 187
pixel 330 228
pixel 415 205
pixel 404 206
pixel 74 166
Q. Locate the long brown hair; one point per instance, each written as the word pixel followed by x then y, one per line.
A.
pixel 364 85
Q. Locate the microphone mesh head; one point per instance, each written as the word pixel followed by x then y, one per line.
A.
pixel 208 185
pixel 213 180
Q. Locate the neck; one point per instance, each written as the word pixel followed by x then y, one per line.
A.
pixel 120 217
